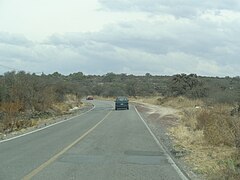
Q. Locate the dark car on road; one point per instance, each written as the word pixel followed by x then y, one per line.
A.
pixel 121 103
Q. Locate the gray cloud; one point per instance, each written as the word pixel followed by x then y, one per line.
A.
pixel 179 8
pixel 95 56
pixel 174 37
pixel 14 39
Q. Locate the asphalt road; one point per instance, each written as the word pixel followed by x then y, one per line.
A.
pixel 102 144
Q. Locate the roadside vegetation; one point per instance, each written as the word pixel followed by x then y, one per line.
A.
pixel 208 133
pixel 26 98
pixel 207 137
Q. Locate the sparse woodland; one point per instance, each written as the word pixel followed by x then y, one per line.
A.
pixel 25 96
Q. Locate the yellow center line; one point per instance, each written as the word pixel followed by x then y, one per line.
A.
pixel 55 157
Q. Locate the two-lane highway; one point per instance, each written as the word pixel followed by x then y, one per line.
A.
pixel 101 144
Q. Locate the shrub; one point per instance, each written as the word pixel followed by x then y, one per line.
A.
pixel 219 128
pixel 10 111
pixel 187 85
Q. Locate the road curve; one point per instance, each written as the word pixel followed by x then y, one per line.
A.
pixel 102 144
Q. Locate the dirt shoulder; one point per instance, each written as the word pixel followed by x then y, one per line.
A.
pixel 161 119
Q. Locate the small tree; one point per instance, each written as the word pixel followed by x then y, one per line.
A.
pixel 187 85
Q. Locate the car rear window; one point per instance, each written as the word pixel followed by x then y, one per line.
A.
pixel 122 99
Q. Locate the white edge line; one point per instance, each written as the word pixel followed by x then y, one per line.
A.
pixel 40 168
pixel 173 164
pixel 40 129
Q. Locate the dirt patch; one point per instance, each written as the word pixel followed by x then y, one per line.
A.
pixel 159 116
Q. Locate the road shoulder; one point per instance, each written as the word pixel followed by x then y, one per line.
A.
pixel 160 119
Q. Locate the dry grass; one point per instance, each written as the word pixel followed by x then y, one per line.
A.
pixel 209 136
pixel 14 121
pixel 218 126
pixel 104 98
pixel 176 102
pixel 204 158
pixel 70 102
pixel 10 110
pixel 181 102
pixel 149 100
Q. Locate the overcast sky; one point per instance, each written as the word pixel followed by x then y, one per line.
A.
pixel 163 37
